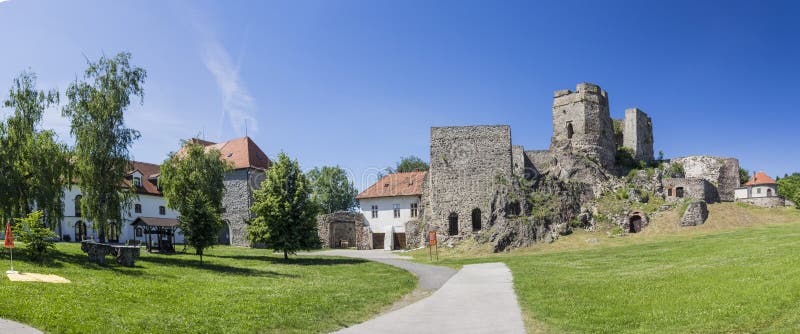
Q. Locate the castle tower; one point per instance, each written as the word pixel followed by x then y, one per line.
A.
pixel 582 124
pixel 638 134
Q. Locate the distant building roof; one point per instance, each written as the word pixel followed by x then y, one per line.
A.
pixel 149 183
pixel 759 179
pixel 156 222
pixel 398 184
pixel 241 152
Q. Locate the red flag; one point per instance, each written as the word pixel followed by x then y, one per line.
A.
pixel 9 237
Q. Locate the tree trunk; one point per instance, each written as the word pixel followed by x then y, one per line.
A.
pixel 285 255
pixel 200 252
pixel 102 234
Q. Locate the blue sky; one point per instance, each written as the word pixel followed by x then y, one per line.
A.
pixel 359 83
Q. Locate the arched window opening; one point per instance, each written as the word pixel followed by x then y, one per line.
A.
pixel 476 220
pixel 78 205
pixel 570 130
pixel 112 232
pixel 769 192
pixel 452 221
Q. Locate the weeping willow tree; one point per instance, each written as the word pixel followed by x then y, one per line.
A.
pixel 34 165
pixel 96 109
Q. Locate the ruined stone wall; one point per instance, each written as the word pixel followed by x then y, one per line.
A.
pixel 638 134
pixel 518 159
pixel 723 173
pixel 344 225
pixel 582 124
pixel 694 188
pixel 537 161
pixel 236 203
pixel 465 163
pixel 767 202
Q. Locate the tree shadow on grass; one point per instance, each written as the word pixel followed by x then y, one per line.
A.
pixel 195 264
pixel 296 260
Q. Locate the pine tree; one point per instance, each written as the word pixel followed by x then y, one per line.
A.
pixel 285 213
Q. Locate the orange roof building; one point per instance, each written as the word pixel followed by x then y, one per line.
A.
pixel 760 185
pixel 388 204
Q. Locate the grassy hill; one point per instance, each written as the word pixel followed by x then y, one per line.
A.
pixel 737 273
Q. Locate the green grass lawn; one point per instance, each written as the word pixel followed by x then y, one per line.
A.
pixel 236 290
pixel 741 280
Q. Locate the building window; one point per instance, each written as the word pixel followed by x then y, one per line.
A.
pixel 570 130
pixel 78 205
pixel 138 231
pixel 414 209
pixel 769 192
pixel 669 192
pixel 374 211
pixel 758 190
pixel 137 208
pixel 137 181
pixel 396 208
pixel 112 231
pixel 679 192
pixel 162 210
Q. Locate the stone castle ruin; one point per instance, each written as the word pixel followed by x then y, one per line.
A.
pixel 481 185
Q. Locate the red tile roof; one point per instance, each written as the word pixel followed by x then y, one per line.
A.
pixel 399 184
pixel 760 178
pixel 149 185
pixel 241 152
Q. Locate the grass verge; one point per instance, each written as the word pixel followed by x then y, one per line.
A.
pixel 236 290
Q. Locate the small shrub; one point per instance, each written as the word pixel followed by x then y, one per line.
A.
pixel 617 231
pixel 37 237
pixel 675 170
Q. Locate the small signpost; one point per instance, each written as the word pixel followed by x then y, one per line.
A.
pixel 9 243
pixel 432 243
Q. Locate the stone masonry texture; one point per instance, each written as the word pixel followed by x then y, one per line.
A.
pixel 582 124
pixel 465 163
pixel 638 134
pixel 723 173
pixel 237 199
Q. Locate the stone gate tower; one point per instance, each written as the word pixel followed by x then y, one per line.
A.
pixel 582 124
pixel 638 134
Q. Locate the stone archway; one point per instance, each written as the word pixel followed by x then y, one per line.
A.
pixel 636 222
pixel 80 231
pixel 452 224
pixel 476 220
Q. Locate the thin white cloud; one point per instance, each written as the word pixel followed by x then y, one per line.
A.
pixel 237 103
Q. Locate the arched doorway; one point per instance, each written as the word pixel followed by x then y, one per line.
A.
pixel 769 192
pixel 224 234
pixel 452 224
pixel 476 220
pixel 635 223
pixel 80 231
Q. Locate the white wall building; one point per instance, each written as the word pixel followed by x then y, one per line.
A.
pixel 388 204
pixel 760 185
pixel 148 203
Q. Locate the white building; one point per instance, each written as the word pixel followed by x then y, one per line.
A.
pixel 760 185
pixel 148 203
pixel 388 204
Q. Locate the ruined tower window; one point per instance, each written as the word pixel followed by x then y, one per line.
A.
pixel 396 208
pixel 452 222
pixel 679 192
pixel 570 130
pixel 414 209
pixel 669 192
pixel 476 220
pixel 374 211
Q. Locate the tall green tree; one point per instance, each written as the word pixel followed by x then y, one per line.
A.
pixel 789 188
pixel 744 175
pixel 285 213
pixel 332 190
pixel 192 183
pixel 407 164
pixel 96 108
pixel 34 166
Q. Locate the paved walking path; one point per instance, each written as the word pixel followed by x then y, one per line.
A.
pixel 477 299
pixel 11 327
